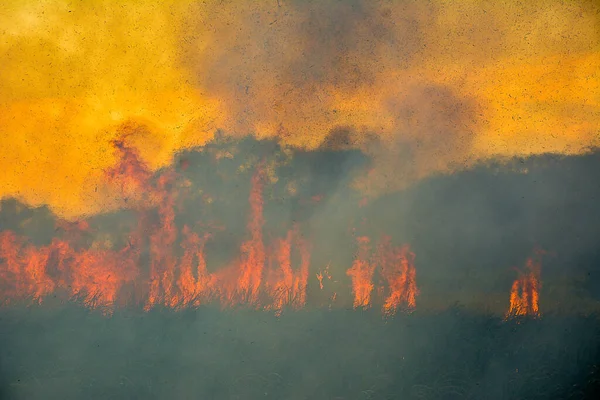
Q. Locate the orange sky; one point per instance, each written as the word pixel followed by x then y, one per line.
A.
pixel 454 81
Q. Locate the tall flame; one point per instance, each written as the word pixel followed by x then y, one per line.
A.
pixel 194 288
pixel 524 294
pixel 398 270
pixel 253 250
pixel 162 244
pixel 96 275
pixel 25 266
pixel 361 274
pixel 285 286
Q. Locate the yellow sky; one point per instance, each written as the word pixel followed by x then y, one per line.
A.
pixel 525 79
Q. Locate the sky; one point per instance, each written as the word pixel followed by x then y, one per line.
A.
pixel 422 88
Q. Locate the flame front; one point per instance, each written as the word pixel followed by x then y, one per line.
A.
pixel 174 272
pixel 98 275
pixel 285 286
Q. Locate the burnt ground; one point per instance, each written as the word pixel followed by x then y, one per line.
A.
pixel 65 351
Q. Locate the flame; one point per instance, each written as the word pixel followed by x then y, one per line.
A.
pixel 396 265
pixel 129 175
pixel 253 250
pixel 524 294
pixel 320 279
pixel 162 243
pixel 324 273
pixel 361 274
pixel 25 266
pixel 193 289
pixel 398 270
pixel 267 274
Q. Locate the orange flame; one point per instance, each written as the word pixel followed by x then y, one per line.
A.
pixel 524 294
pixel 253 250
pixel 361 274
pixel 321 274
pixel 162 242
pixel 285 286
pixel 193 288
pixel 398 270
pixel 320 279
pixel 95 275
pixel 25 266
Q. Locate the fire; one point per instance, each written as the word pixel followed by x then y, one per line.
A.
pixel 162 244
pixel 95 275
pixel 361 274
pixel 161 263
pixel 286 287
pixel 100 274
pixel 129 173
pixel 524 294
pixel 273 276
pixel 396 266
pixel 398 270
pixel 25 265
pixel 320 279
pixel 419 86
pixel 253 250
pixel 193 289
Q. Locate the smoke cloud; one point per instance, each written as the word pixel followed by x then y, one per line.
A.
pixel 425 88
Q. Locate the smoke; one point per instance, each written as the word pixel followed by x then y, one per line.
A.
pixel 519 80
pixel 175 155
pixel 286 68
pixel 306 70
